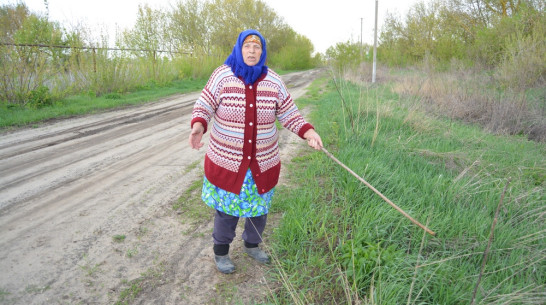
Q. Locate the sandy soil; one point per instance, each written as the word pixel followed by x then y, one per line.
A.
pixel 86 212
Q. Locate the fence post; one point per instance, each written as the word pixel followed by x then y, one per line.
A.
pixel 375 44
pixel 94 61
pixel 154 63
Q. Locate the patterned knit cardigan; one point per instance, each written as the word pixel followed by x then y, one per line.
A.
pixel 243 133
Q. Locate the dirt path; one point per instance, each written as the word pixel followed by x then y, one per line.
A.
pixel 87 217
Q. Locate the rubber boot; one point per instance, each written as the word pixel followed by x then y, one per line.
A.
pixel 257 254
pixel 224 264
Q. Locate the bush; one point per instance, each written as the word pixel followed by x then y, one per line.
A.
pixel 346 55
pixel 295 56
pixel 112 96
pixel 40 97
pixel 194 67
pixel 524 62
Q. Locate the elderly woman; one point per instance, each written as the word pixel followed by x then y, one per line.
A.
pixel 242 162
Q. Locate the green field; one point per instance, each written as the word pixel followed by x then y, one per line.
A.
pixel 338 242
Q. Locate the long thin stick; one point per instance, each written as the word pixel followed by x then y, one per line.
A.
pixel 491 234
pixel 379 193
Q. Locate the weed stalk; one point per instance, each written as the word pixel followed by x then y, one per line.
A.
pixel 486 252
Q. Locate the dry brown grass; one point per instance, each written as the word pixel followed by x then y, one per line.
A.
pixel 363 75
pixel 473 97
pixel 468 95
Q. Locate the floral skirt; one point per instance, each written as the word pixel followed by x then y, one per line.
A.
pixel 249 203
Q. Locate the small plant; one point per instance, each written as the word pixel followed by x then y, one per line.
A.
pixel 129 293
pixel 90 270
pixel 135 287
pixel 132 252
pixel 360 259
pixel 3 294
pixel 142 231
pixel 36 289
pixel 113 96
pixel 119 238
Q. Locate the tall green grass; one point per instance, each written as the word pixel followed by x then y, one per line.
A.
pixel 339 243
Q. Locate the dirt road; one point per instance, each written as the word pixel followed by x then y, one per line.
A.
pixel 87 217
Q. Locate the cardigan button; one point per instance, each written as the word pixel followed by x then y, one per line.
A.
pixel 263 190
pixel 248 157
pixel 250 124
pixel 251 105
pixel 250 86
pixel 249 141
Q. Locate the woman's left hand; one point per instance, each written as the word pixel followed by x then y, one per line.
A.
pixel 313 139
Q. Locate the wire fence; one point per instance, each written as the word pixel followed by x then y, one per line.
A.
pixel 32 68
pixel 39 45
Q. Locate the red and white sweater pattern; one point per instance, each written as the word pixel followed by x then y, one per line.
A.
pixel 243 133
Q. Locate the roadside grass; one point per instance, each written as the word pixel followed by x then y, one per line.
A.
pixel 339 243
pixel 88 102
pixel 4 294
pixel 191 208
pixel 118 238
pixel 192 213
pixel 16 116
pixel 146 282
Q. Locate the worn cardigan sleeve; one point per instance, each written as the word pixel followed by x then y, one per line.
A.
pixel 289 115
pixel 207 103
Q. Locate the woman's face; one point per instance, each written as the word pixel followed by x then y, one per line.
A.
pixel 251 53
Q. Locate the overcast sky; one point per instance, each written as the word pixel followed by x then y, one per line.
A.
pixel 325 22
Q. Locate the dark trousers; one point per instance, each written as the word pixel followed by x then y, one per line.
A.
pixel 224 228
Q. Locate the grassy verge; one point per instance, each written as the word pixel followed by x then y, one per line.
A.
pixel 339 243
pixel 11 115
pixel 18 116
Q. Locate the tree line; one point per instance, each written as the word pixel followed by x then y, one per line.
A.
pixel 504 37
pixel 507 37
pixel 44 61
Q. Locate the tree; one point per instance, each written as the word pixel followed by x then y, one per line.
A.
pixel 147 36
pixel 27 69
pixel 11 20
pixel 211 28
pixel 148 31
pixel 188 28
pixel 296 54
pixel 344 55
pixel 230 17
pixel 505 35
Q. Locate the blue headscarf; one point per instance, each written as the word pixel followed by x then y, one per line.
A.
pixel 235 60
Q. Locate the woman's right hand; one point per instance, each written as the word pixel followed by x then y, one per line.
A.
pixel 196 135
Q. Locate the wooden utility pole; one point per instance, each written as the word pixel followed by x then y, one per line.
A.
pixel 361 19
pixel 375 43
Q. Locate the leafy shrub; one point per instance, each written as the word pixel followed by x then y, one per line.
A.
pixel 112 96
pixel 524 62
pixel 345 55
pixel 294 56
pixel 40 97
